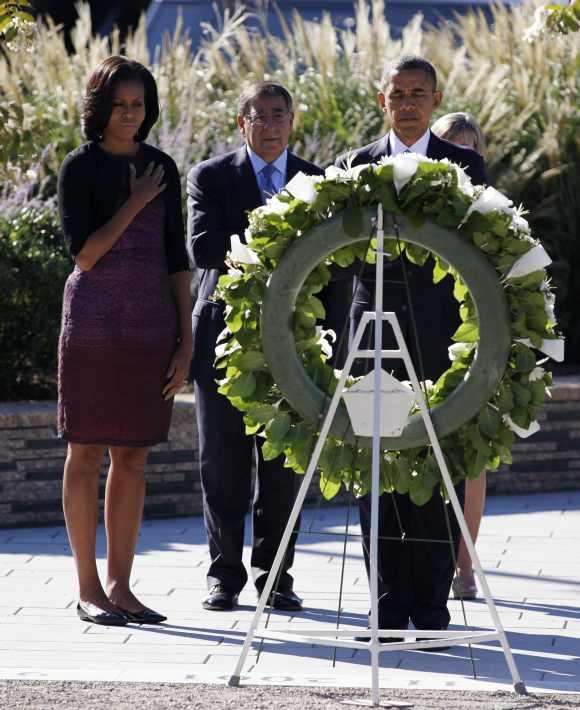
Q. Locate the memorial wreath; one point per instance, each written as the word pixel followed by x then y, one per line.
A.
pixel 423 194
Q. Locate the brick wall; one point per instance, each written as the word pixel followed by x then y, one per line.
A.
pixel 549 460
pixel 32 459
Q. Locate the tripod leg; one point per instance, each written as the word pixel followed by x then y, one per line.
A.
pixel 519 685
pixel 270 581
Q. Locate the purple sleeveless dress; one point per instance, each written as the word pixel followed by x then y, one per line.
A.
pixel 118 333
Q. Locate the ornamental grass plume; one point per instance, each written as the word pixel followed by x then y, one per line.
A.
pixel 525 97
pixel 523 94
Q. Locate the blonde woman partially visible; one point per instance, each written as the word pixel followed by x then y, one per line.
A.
pixel 460 128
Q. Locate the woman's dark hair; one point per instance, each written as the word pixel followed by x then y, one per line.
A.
pixel 98 98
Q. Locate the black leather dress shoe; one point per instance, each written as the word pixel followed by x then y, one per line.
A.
pixel 438 649
pixel 94 615
pixel 285 600
pixel 220 598
pixel 387 624
pixel 144 616
pixel 382 639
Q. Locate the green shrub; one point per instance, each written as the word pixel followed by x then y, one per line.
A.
pixel 33 268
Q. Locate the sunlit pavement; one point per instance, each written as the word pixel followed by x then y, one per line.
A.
pixel 529 546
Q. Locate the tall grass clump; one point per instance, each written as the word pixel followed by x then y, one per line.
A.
pixel 524 94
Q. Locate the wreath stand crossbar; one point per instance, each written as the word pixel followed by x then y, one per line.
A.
pixel 344 638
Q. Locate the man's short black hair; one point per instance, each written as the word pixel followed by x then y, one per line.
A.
pixel 408 63
pixel 262 90
pixel 98 98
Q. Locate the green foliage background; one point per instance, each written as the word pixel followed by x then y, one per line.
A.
pixel 33 269
pixel 524 94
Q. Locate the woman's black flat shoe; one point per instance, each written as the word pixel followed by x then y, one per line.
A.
pixel 94 615
pixel 145 616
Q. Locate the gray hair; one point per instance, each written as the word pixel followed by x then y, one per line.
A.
pixel 261 90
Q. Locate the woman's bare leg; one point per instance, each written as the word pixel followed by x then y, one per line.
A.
pixel 473 509
pixel 124 499
pixel 80 499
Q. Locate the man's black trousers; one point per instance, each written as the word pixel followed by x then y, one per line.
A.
pixel 226 457
pixel 414 578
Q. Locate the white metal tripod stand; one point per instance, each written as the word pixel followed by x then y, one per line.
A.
pixel 340 638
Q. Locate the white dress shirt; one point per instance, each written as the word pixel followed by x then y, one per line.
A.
pixel 398 147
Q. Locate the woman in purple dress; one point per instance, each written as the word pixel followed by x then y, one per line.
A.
pixel 125 342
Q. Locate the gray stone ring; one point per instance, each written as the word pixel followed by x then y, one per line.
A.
pixel 486 291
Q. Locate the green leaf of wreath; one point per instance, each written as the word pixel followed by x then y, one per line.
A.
pixel 467 332
pixel 328 487
pixel 440 270
pixel 489 421
pixel 249 360
pixel 278 427
pixel 242 386
pixel 271 450
pixel 352 221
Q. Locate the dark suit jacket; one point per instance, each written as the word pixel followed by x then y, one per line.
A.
pixel 437 149
pixel 220 193
pixel 434 307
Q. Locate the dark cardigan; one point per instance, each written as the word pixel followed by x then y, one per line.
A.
pixel 93 184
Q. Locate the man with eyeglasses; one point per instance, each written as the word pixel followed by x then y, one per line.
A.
pixel 221 191
pixel 414 573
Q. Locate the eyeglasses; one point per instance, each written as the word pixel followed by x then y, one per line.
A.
pixel 261 120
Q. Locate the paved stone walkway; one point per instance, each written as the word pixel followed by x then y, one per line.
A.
pixel 529 549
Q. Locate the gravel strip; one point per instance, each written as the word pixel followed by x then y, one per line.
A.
pixel 66 695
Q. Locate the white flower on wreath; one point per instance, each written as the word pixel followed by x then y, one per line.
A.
pixel 490 200
pixel 520 431
pixel 426 386
pixel 464 183
pixel 226 347
pixel 240 253
pixel 419 157
pixel 549 305
pixel 549 301
pixel 534 260
pixel 350 172
pixel 459 350
pixel 536 374
pixel 405 165
pixel 302 187
pixel 324 336
pixel 274 205
pixel 519 223
pixel 553 347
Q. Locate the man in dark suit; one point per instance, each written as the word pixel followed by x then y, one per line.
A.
pixel 221 191
pixel 414 577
